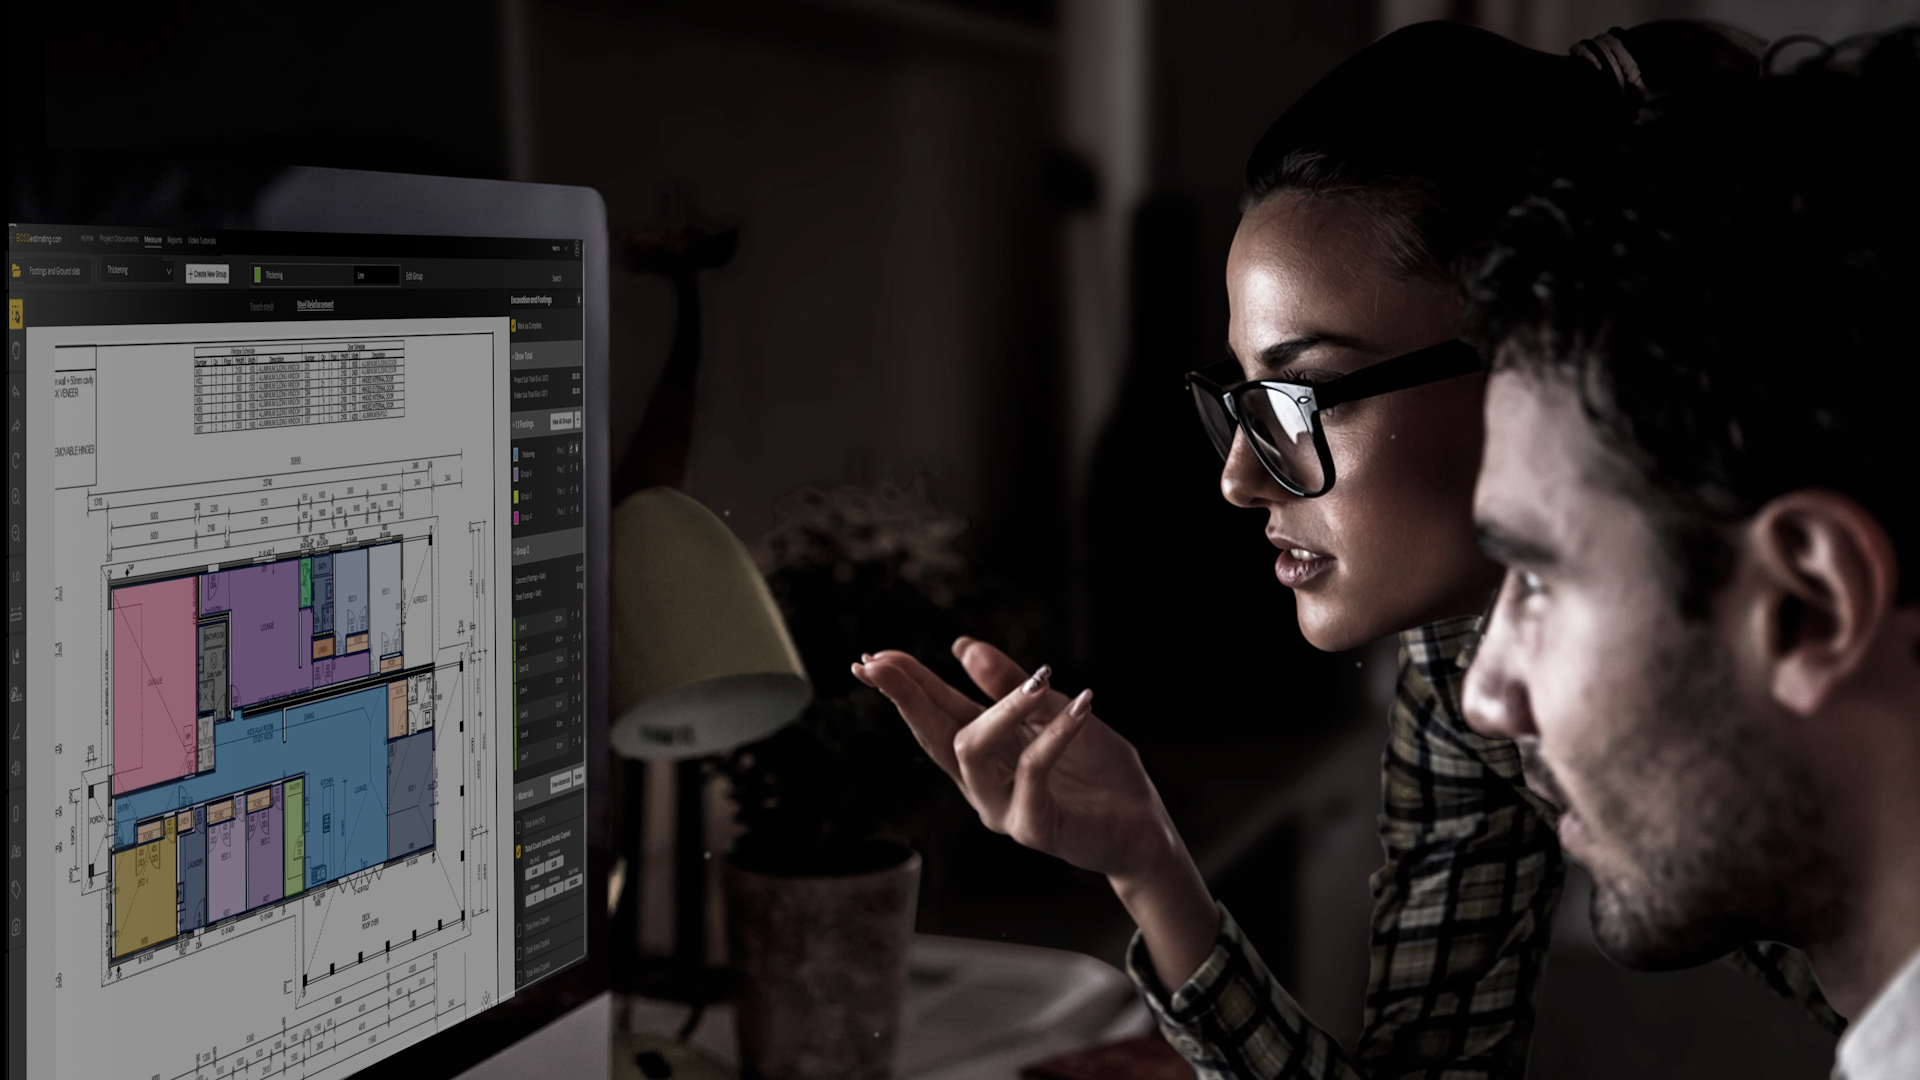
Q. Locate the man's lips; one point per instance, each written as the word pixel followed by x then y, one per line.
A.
pixel 1298 564
pixel 1571 832
pixel 1567 826
pixel 1538 776
pixel 1543 789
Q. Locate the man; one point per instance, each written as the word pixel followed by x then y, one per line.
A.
pixel 1703 475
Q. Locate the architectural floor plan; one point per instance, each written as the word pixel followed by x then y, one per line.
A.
pixel 277 663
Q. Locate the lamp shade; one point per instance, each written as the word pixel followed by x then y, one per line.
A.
pixel 702 661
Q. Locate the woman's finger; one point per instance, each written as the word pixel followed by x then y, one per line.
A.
pixel 989 749
pixel 1031 803
pixel 993 671
pixel 899 669
pixel 937 690
pixel 933 724
pixel 1041 754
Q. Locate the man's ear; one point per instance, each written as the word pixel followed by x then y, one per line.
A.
pixel 1826 573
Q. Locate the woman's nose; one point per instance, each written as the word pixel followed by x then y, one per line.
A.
pixel 1243 480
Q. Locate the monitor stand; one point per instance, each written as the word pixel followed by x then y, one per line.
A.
pixel 574 1045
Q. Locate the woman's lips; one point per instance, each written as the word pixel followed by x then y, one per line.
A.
pixel 1297 566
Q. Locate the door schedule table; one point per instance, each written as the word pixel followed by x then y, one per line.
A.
pixel 267 384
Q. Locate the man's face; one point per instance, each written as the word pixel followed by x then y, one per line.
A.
pixel 1679 791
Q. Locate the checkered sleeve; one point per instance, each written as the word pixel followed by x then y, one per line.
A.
pixel 1463 907
pixel 1462 915
pixel 1233 1021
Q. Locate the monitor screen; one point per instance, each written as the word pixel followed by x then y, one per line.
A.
pixel 298 644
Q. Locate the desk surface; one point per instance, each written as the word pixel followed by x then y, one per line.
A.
pixel 975 1010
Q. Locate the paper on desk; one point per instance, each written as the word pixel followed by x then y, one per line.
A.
pixel 965 997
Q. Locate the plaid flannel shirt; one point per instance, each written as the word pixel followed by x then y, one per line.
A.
pixel 1462 916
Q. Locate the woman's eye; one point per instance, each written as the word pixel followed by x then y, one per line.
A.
pixel 1527 584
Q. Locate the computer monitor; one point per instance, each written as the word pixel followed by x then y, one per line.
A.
pixel 306 657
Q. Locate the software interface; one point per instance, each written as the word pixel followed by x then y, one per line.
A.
pixel 296 755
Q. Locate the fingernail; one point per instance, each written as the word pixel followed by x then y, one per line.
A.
pixel 1081 704
pixel 866 658
pixel 960 645
pixel 1039 679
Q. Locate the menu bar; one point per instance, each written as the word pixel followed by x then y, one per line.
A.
pixel 32 241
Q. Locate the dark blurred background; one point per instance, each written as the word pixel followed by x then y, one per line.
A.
pixel 981 240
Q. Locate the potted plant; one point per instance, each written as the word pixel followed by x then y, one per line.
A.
pixel 822 881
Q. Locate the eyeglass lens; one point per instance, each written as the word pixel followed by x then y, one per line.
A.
pixel 1215 418
pixel 1282 436
pixel 1281 433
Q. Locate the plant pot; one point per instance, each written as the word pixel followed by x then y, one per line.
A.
pixel 823 969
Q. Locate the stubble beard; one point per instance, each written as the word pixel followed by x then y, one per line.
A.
pixel 1713 815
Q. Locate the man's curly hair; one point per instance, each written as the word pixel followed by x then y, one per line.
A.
pixel 1732 288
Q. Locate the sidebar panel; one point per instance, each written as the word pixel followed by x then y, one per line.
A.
pixel 549 624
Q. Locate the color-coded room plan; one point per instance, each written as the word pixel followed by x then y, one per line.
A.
pixel 280 739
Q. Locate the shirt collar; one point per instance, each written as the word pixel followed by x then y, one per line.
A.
pixel 1444 648
pixel 1885 1043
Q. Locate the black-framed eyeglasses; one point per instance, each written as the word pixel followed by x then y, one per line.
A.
pixel 1282 419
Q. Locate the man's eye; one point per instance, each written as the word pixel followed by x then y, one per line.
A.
pixel 1523 585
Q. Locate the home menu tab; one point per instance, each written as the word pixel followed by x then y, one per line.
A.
pixel 296 646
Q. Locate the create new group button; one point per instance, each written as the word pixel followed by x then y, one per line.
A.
pixel 208 274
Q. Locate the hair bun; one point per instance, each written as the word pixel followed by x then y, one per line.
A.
pixel 1668 56
pixel 1611 55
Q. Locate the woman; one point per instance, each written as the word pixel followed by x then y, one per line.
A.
pixel 1360 439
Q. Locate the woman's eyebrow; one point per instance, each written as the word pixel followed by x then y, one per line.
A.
pixel 1282 353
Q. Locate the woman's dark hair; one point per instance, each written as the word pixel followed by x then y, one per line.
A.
pixel 1434 128
pixel 1730 289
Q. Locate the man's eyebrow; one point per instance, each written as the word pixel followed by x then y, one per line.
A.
pixel 1509 550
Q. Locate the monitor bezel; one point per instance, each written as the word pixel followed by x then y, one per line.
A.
pixel 82 187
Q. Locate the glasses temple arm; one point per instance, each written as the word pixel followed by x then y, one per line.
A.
pixel 1431 364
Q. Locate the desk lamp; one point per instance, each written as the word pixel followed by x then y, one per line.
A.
pixel 702 663
pixel 703 659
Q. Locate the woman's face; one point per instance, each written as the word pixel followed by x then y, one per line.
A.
pixel 1313 296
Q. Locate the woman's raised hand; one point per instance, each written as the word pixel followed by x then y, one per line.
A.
pixel 1038 766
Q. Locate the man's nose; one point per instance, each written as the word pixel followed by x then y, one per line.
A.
pixel 1495 697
